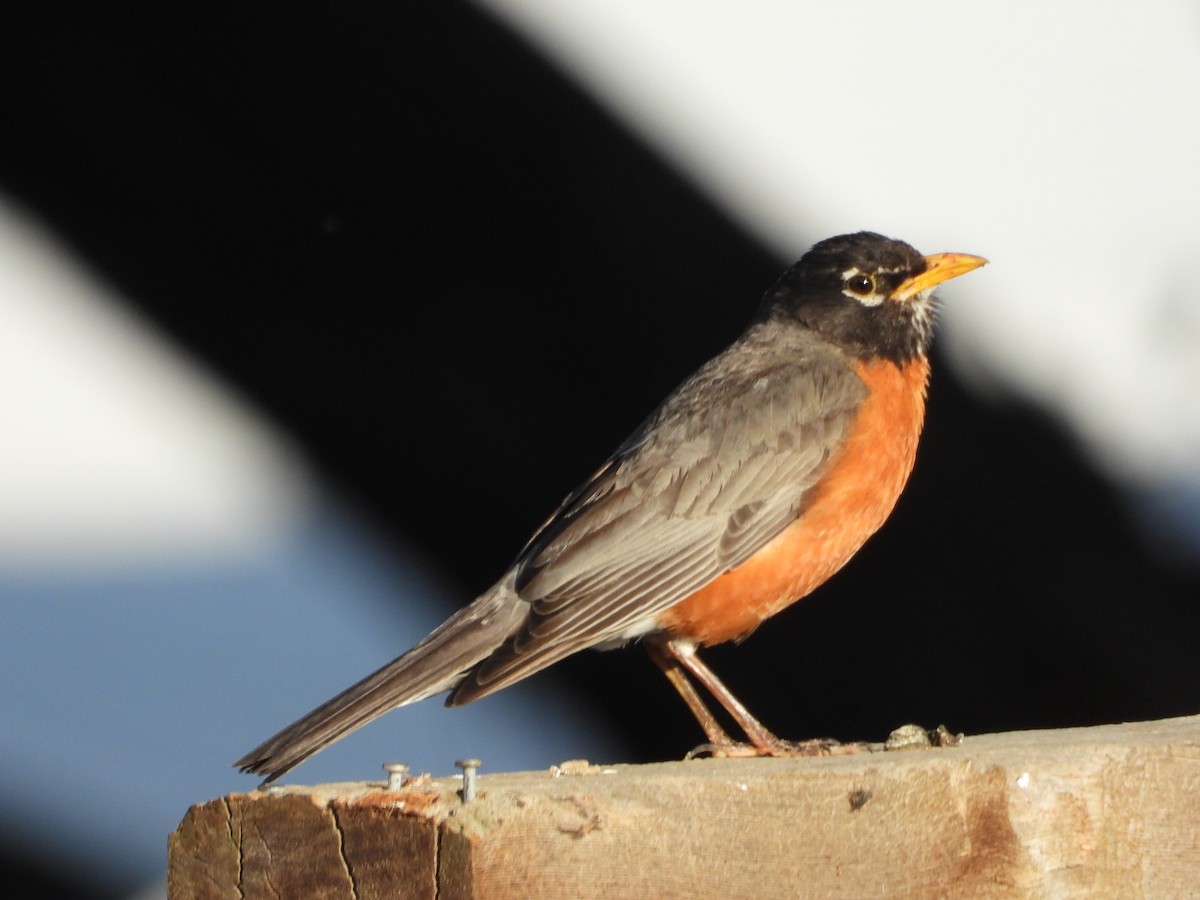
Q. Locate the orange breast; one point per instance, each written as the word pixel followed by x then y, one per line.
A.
pixel 849 504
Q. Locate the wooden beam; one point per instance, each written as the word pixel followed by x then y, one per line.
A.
pixel 1111 811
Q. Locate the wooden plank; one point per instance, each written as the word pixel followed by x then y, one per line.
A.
pixel 1108 811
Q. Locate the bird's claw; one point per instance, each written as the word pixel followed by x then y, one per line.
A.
pixel 778 748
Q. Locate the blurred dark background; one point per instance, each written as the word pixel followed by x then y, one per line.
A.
pixel 458 283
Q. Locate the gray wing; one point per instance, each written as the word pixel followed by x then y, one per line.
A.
pixel 721 467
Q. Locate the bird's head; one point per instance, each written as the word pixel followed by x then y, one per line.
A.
pixel 870 295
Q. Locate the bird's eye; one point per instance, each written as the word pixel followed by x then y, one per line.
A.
pixel 861 284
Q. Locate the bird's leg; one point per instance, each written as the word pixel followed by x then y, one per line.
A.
pixel 684 654
pixel 674 656
pixel 669 663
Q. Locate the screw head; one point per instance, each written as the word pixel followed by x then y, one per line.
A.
pixel 397 774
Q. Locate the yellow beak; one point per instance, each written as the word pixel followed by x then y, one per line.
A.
pixel 938 268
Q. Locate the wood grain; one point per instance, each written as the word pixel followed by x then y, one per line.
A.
pixel 1106 811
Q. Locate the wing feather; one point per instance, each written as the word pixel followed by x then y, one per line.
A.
pixel 721 467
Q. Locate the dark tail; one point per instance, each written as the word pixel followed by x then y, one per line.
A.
pixel 436 664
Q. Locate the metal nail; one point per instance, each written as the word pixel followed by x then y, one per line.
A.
pixel 469 768
pixel 397 775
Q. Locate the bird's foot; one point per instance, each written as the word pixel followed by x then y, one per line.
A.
pixel 778 748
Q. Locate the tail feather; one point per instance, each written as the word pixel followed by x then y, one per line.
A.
pixel 436 664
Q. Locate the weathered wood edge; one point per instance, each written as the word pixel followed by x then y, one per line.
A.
pixel 1109 810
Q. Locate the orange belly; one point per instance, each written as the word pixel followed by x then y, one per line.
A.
pixel 855 496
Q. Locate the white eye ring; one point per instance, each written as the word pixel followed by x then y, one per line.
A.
pixel 861 287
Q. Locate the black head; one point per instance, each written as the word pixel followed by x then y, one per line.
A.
pixel 870 295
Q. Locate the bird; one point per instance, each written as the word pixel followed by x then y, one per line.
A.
pixel 748 487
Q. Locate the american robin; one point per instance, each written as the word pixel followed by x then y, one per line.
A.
pixel 748 487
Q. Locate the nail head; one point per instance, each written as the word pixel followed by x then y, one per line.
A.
pixel 397 775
